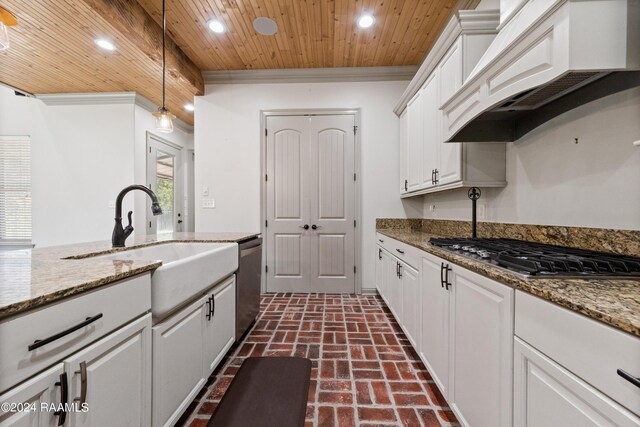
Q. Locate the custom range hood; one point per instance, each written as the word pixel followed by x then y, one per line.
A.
pixel 550 57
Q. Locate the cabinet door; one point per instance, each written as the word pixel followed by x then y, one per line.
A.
pixel 219 326
pixel 450 154
pixel 547 395
pixel 177 362
pixel 393 286
pixel 482 350
pixel 415 139
pixel 410 279
pixel 380 272
pixel 42 390
pixel 434 345
pixel 114 374
pixel 431 118
pixel 403 139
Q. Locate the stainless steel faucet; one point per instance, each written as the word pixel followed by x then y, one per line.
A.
pixel 120 234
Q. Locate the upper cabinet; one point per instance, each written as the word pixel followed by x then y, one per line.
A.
pixel 427 164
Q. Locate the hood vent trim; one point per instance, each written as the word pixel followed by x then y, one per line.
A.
pixel 510 124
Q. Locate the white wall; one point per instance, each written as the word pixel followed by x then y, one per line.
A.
pixel 553 181
pixel 227 144
pixel 81 157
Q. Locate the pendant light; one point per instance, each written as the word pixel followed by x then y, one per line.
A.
pixel 6 20
pixel 164 119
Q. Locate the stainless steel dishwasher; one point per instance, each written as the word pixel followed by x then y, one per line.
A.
pixel 248 284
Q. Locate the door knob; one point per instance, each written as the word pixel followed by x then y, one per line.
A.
pixel 306 226
pixel 315 227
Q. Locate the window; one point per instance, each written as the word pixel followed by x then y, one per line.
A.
pixel 15 190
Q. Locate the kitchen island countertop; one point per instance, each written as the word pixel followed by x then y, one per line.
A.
pixel 35 277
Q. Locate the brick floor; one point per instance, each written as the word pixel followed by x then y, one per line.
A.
pixel 365 372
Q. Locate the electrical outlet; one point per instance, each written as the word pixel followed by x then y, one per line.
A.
pixel 208 203
pixel 111 204
pixel 481 211
pixel 432 208
pixel 205 191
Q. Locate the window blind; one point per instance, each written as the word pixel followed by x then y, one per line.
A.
pixel 15 189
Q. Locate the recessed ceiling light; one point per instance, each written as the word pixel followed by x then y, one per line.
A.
pixel 105 44
pixel 216 26
pixel 265 26
pixel 365 21
pixel 189 107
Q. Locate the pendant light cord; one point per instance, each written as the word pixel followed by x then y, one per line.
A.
pixel 164 35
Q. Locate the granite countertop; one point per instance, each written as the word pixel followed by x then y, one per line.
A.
pixel 35 277
pixel 615 302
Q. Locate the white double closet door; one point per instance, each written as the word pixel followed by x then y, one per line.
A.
pixel 310 203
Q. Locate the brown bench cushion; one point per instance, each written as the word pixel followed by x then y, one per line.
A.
pixel 266 392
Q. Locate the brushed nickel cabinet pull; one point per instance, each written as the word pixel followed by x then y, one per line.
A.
pixel 83 383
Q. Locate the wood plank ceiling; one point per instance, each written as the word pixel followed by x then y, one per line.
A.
pixel 311 33
pixel 52 49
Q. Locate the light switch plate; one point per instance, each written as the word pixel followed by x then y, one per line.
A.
pixel 208 203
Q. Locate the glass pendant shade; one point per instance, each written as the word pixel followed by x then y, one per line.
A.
pixel 164 120
pixel 6 20
pixel 4 37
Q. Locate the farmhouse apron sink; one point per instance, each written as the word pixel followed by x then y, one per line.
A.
pixel 187 270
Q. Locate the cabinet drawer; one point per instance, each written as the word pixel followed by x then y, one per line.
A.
pixel 591 350
pixel 118 304
pixel 402 251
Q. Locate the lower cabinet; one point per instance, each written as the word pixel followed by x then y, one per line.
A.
pixel 43 389
pixel 187 347
pixel 461 325
pixel 435 301
pixel 547 395
pixel 482 349
pixel 409 279
pixel 113 377
pixel 97 373
pixel 219 328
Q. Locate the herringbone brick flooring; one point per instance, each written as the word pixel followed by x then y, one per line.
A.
pixel 365 372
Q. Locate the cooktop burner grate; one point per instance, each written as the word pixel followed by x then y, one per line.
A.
pixel 541 260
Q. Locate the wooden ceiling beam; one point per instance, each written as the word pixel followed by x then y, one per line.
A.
pixel 133 22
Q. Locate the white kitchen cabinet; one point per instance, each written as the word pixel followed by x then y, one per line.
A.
pixel 186 349
pixel 548 395
pixel 394 288
pixel 590 350
pixel 43 389
pixel 409 282
pixel 482 347
pixel 178 362
pixel 445 166
pixel 415 145
pixel 449 168
pixel 435 321
pixel 219 327
pixel 113 377
pixel 403 138
pixel 431 133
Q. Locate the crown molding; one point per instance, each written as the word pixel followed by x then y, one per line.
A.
pixel 479 21
pixel 311 75
pixel 107 98
pixel 465 22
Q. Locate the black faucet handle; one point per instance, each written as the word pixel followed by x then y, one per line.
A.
pixel 129 218
pixel 129 228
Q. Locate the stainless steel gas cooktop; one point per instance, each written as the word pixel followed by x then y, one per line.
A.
pixel 535 260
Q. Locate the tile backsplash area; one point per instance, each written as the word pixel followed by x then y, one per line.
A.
pixel 598 239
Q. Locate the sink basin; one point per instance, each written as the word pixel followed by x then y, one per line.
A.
pixel 187 270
